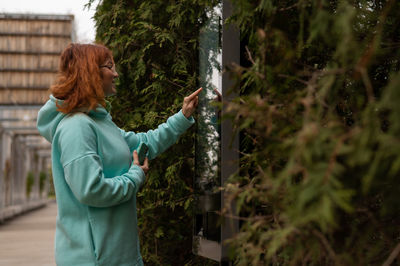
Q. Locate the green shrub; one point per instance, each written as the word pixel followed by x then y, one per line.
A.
pixel 155 49
pixel 30 180
pixel 42 181
pixel 51 192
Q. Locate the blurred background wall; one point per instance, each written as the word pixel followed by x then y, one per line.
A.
pixel 30 45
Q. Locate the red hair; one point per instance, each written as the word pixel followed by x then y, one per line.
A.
pixel 79 81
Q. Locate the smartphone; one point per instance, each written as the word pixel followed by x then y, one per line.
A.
pixel 142 152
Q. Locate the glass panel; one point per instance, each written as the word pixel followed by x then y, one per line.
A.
pixel 208 145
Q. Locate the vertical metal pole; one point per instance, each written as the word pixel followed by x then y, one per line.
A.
pixel 2 172
pixel 229 152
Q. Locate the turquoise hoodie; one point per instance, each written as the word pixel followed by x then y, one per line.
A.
pixel 96 183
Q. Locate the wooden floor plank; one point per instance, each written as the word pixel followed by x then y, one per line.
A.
pixel 29 239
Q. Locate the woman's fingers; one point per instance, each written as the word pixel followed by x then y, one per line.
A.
pixel 194 101
pixel 135 158
pixel 190 103
pixel 219 95
pixel 145 166
pixel 193 95
pixel 217 92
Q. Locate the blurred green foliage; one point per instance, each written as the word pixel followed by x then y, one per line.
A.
pixel 319 118
pixel 42 181
pixel 30 181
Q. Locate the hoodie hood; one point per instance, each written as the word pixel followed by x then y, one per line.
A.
pixel 49 118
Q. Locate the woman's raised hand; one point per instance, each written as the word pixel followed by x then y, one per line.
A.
pixel 145 166
pixel 190 103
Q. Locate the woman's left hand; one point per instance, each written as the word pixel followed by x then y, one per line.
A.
pixel 190 103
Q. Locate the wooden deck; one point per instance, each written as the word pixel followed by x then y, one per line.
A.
pixel 29 239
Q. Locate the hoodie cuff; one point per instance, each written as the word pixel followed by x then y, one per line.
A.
pixel 137 175
pixel 182 122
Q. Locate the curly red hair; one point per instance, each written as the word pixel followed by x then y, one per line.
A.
pixel 79 81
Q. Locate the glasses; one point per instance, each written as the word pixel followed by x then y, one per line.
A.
pixel 110 67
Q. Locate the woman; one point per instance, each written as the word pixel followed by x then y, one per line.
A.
pixel 94 177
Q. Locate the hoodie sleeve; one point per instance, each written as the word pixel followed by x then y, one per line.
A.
pixel 162 138
pixel 83 167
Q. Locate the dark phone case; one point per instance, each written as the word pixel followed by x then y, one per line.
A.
pixel 142 152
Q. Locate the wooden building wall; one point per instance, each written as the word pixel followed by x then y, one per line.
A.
pixel 30 46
